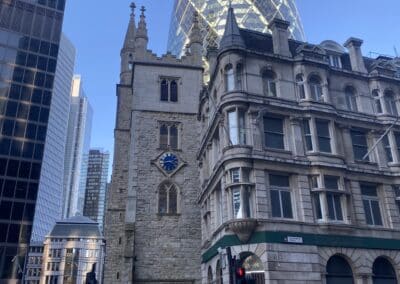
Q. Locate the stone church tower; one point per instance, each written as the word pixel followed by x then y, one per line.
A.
pixel 152 227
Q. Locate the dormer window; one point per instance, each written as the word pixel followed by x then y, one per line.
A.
pixel 269 84
pixel 390 103
pixel 169 90
pixel 351 102
pixel 300 86
pixel 377 101
pixel 335 61
pixel 316 88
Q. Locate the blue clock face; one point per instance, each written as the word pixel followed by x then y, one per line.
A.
pixel 169 162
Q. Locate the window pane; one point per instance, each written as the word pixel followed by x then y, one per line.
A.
pixel 331 182
pixel 174 91
pixel 162 201
pixel 246 203
pixel 275 204
pixel 376 212
pixel 164 90
pixel 325 145
pixel 307 134
pixel 367 210
pixel 338 207
pixel 368 190
pixel 242 128
pixel 173 136
pixel 273 124
pixel 173 196
pixel 235 175
pixel 387 147
pixel 163 137
pixel 273 140
pixel 279 180
pixel 287 204
pixel 233 128
pixel 331 210
pixel 230 79
pixel 237 210
pixel 317 205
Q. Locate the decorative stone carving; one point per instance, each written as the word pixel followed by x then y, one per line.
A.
pixel 243 228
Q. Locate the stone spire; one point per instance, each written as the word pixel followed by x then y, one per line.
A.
pixel 128 49
pixel 141 38
pixel 232 36
pixel 195 41
pixel 129 42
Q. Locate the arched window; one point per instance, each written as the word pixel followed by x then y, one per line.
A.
pixel 383 272
pixel 169 90
pixel 168 198
pixel 351 102
pixel 239 76
pixel 316 88
pixel 254 268
pixel 377 101
pixel 390 103
pixel 269 84
pixel 173 91
pixel 229 78
pixel 338 271
pixel 219 279
pixel 164 90
pixel 209 276
pixel 300 86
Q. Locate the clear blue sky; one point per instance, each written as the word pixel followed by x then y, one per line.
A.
pixel 97 30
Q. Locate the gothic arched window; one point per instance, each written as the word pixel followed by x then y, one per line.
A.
pixel 169 90
pixel 209 276
pixel 164 90
pixel 173 91
pixel 168 198
pixel 219 279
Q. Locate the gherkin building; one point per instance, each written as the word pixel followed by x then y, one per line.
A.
pixel 250 14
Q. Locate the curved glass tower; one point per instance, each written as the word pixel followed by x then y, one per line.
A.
pixel 250 14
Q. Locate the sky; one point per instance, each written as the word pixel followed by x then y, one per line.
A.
pixel 97 30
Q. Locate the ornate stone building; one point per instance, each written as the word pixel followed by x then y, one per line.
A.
pixel 289 156
pixel 299 160
pixel 153 219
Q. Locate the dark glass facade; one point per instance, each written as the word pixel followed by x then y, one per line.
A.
pixel 29 40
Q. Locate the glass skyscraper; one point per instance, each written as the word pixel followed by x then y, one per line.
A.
pixel 77 150
pixel 30 34
pixel 96 185
pixel 254 15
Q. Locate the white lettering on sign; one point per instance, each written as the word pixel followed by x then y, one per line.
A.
pixel 294 240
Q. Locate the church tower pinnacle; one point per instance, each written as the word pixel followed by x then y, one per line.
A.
pixel 128 48
pixel 141 38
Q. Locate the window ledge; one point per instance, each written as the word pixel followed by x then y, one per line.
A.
pixel 363 162
pixel 394 164
pixel 338 191
pixel 168 214
pixel 229 185
pixel 325 154
pixel 169 149
pixel 276 150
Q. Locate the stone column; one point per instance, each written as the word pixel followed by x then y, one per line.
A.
pixel 347 143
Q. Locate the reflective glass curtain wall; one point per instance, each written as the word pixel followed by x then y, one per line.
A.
pixel 29 42
pixel 253 15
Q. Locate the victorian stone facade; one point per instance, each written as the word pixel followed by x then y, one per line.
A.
pixel 289 156
pixel 299 163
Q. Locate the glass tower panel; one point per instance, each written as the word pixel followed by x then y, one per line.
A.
pixel 30 34
pixel 254 15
